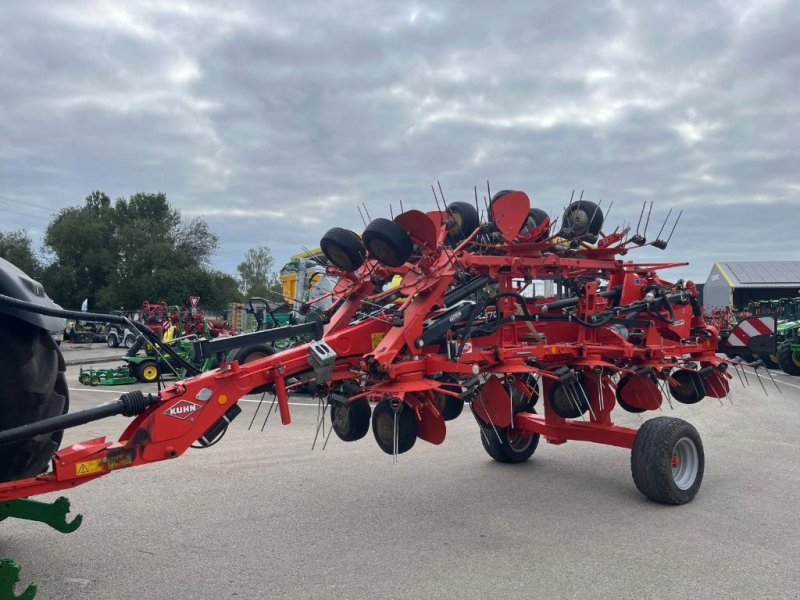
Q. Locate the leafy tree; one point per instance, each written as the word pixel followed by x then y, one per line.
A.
pixel 256 277
pixel 17 248
pixel 119 254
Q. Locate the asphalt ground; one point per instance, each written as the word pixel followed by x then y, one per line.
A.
pixel 262 516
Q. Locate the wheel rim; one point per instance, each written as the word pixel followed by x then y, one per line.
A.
pixel 150 372
pixel 255 356
pixel 685 463
pixel 796 359
pixel 339 257
pixel 519 442
pixel 341 418
pixel 383 252
pixel 774 358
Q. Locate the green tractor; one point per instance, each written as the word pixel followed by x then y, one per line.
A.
pixel 788 337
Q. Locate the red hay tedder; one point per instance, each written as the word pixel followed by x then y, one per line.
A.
pixel 430 313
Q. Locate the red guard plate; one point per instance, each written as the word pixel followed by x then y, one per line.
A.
pixel 493 404
pixel 509 213
pixel 430 425
pixel 639 392
pixel 419 226
pixel 716 385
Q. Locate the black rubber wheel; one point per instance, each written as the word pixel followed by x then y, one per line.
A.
pixel 582 218
pixel 383 427
pixel 465 220
pixel 449 407
pixel 624 405
pixel 351 421
pixel 536 217
pixel 506 446
pixel 84 378
pixel 789 361
pixel 249 354
pixel 32 388
pixel 147 371
pixel 567 401
pixel 112 341
pixel 343 248
pixel 386 242
pixel 667 460
pixel 94 381
pixel 128 341
pixel 690 388
pixel 521 403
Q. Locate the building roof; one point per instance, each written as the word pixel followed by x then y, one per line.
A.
pixel 763 274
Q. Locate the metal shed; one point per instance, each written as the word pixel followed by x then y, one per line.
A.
pixel 738 283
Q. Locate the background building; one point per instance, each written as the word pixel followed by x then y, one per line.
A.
pixel 737 283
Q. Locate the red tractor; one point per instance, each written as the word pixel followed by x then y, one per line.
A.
pixel 456 327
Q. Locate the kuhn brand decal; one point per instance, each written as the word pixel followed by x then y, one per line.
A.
pixel 182 409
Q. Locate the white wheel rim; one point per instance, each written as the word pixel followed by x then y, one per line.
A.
pixel 685 463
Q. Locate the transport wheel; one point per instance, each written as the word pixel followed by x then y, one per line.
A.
pixel 690 388
pixel 449 407
pixel 351 421
pixel 465 221
pixel 84 378
pixel 383 422
pixel 582 218
pixel 567 401
pixel 667 460
pixel 128 341
pixel 147 371
pixel 343 248
pixel 508 446
pixel 386 242
pixel 789 361
pixel 249 354
pixel 112 341
pixel 536 217
pixel 95 381
pixel 32 387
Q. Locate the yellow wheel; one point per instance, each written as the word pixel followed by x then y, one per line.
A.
pixel 147 371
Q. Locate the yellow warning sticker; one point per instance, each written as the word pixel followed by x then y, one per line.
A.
pixel 120 461
pixel 89 467
pixel 377 338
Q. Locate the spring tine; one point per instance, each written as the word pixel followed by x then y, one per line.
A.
pixel 394 439
pixel 327 437
pixel 256 412
pixel 773 381
pixel 736 368
pixel 269 412
pixel 436 199
pixel 489 416
pixel 658 235
pixel 441 193
pixel 589 404
pixel 674 225
pixel 647 222
pixel 366 212
pixel 605 216
pixel 761 382
pixel 320 421
pixel 641 214
pixel 402 210
pixel 573 398
pixel 361 215
pixel 744 372
pixel 477 208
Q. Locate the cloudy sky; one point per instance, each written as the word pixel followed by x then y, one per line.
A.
pixel 275 119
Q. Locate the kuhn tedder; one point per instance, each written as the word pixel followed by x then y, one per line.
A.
pixel 457 326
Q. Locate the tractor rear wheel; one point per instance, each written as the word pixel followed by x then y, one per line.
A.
pixel 770 361
pixel 789 360
pixel 32 387
pixel 667 460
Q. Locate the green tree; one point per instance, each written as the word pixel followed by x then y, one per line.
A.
pixel 17 248
pixel 119 254
pixel 256 277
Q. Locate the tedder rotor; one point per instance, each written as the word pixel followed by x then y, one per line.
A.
pixel 431 311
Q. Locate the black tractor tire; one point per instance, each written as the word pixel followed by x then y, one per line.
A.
pixel 144 371
pixel 582 218
pixel 387 243
pixel 667 460
pixel 351 421
pixel 503 445
pixel 112 340
pixel 343 248
pixel 249 354
pixel 32 387
pixel 789 361
pixel 465 220
pixel 690 389
pixel 383 427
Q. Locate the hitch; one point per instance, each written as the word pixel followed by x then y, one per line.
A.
pixel 9 577
pixel 54 515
